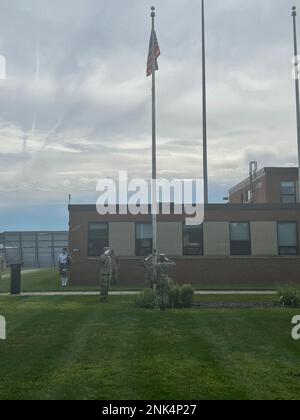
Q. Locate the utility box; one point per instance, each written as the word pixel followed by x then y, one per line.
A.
pixel 15 279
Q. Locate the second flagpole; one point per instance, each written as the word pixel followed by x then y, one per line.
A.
pixel 204 114
pixel 154 171
pixel 296 58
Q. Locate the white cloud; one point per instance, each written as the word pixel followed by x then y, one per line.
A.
pixel 89 115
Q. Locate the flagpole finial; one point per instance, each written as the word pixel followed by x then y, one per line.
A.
pixel 294 11
pixel 152 11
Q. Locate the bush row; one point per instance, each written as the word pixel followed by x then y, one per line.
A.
pixel 289 296
pixel 178 297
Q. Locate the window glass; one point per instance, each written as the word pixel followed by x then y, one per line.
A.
pixel 288 187
pixel 239 231
pixel 240 241
pixel 97 238
pixel 287 234
pixel 144 231
pixel 193 240
pixel 288 192
pixel 143 240
pixel 288 199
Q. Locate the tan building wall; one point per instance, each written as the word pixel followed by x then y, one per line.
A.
pixel 264 238
pixel 216 239
pixel 169 238
pixel 122 238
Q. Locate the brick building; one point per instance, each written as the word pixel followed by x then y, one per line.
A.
pixel 268 185
pixel 236 244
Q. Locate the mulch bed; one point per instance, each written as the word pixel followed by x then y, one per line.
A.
pixel 236 305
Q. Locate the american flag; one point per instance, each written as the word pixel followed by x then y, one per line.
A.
pixel 154 53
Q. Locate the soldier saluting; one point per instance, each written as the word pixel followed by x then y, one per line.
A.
pixel 105 274
pixel 163 280
pixel 149 271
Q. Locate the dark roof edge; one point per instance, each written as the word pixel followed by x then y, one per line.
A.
pixel 33 232
pixel 208 207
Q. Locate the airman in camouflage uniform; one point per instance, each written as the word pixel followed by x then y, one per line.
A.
pixel 105 274
pixel 163 280
pixel 149 272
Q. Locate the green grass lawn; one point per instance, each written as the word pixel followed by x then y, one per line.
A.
pixel 237 298
pixel 77 348
pixel 49 281
pixel 46 281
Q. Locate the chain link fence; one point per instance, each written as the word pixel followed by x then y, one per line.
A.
pixel 32 249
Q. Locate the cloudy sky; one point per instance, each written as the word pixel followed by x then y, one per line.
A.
pixel 76 105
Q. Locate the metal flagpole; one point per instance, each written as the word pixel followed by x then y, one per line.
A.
pixel 205 169
pixel 294 14
pixel 154 174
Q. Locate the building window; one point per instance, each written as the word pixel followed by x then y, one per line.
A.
pixel 240 241
pixel 143 239
pixel 193 240
pixel 288 192
pixel 97 238
pixel 287 238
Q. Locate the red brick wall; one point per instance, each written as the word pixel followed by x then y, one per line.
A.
pixel 259 192
pixel 205 271
pixel 273 183
pixel 267 189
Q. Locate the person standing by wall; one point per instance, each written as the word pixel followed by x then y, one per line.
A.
pixel 64 262
pixel 105 274
pixel 149 272
pixel 163 281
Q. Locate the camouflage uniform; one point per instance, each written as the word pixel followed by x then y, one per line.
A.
pixel 115 264
pixel 163 281
pixel 149 274
pixel 105 274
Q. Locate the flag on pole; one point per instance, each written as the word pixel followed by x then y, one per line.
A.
pixel 154 53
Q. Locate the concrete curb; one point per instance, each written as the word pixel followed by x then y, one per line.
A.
pixel 133 293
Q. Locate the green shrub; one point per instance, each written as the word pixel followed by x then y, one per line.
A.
pixel 187 295
pixel 289 296
pixel 177 297
pixel 146 299
pixel 181 296
pixel 174 296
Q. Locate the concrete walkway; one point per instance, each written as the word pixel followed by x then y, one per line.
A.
pixel 26 271
pixel 133 293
